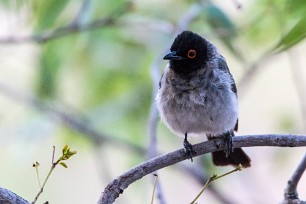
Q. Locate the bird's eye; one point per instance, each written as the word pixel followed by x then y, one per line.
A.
pixel 191 54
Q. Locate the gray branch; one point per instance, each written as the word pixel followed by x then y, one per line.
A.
pixel 117 186
pixel 8 197
pixel 291 195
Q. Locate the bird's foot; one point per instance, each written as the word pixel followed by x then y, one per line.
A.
pixel 189 148
pixel 229 143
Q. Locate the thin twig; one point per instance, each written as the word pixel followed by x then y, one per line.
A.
pixel 43 186
pixel 66 154
pixel 37 173
pixel 291 189
pixel 211 179
pixel 200 176
pixel 53 153
pixel 50 171
pixel 154 187
pixel 117 186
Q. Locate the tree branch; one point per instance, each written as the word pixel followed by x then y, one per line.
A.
pixel 8 197
pixel 83 12
pixel 74 27
pixel 291 195
pixel 117 186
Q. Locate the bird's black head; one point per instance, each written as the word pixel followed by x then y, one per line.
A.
pixel 188 53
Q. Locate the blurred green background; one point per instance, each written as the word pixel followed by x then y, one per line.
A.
pixel 84 73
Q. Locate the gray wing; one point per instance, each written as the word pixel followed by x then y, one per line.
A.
pixel 223 66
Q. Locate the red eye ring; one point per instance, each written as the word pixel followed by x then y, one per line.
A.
pixel 191 54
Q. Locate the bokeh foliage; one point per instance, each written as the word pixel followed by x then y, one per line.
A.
pixel 104 72
pixel 111 64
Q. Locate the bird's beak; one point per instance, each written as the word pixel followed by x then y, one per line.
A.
pixel 172 56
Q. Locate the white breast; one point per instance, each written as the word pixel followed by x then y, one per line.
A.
pixel 209 109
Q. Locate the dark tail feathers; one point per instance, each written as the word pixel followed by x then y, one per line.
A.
pixel 238 156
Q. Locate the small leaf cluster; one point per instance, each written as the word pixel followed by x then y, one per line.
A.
pixel 66 154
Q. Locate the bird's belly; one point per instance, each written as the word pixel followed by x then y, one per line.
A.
pixel 215 115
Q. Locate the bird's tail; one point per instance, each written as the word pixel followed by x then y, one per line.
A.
pixel 238 156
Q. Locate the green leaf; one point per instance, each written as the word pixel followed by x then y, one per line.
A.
pixel 296 7
pixel 67 153
pixel 63 164
pixel 294 36
pixel 71 153
pixel 65 149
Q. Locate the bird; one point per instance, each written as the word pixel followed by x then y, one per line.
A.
pixel 197 95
